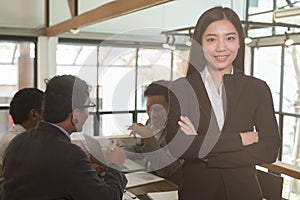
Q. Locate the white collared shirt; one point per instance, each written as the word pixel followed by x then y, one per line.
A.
pixel 215 97
pixel 6 138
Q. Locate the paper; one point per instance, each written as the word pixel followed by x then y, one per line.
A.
pixel 171 195
pixel 141 178
pixel 129 196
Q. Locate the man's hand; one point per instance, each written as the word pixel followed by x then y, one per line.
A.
pixel 141 130
pixel 96 164
pixel 116 155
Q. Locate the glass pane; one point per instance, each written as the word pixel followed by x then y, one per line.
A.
pixel 117 56
pixel 180 63
pixel 115 124
pixel 288 139
pixel 67 54
pixel 290 154
pixel 260 6
pixel 87 73
pixel 117 78
pixel 283 3
pixel 117 88
pixel 253 3
pixel 290 188
pixel 267 67
pixel 291 87
pixel 9 75
pixel 89 125
pixel 5 121
pixel 72 70
pixel 266 17
pixel 16 68
pixel 82 65
pixel 142 118
pixel 7 50
pixel 153 65
pixel 87 56
pixel 261 32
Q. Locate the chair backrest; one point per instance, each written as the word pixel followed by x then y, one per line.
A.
pixel 271 185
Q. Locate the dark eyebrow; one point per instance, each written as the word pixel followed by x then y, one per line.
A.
pixel 232 33
pixel 211 34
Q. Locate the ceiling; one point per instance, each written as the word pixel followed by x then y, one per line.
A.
pixel 21 17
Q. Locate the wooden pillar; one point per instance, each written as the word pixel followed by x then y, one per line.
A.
pixel 26 66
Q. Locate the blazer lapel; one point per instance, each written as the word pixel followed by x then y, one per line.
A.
pixel 198 86
pixel 234 86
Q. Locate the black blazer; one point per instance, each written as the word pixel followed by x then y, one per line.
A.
pixel 229 163
pixel 43 164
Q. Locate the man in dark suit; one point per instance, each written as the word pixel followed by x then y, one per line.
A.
pixel 43 163
pixel 153 145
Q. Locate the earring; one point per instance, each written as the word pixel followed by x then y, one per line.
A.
pixel 76 121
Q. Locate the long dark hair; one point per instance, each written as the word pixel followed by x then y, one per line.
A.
pixel 197 60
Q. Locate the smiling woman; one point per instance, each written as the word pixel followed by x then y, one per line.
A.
pixel 220 43
pixel 225 118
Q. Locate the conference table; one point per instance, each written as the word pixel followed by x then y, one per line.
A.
pixel 160 186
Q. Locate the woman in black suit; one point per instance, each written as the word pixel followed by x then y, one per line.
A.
pixel 221 122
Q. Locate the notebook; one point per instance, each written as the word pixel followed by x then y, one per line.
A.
pixel 141 178
pixel 170 195
pixel 97 150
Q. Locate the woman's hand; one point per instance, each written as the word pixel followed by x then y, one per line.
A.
pixel 186 126
pixel 249 138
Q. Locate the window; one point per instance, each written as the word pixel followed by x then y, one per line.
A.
pixel 279 67
pixel 16 72
pixel 118 80
pixel 291 81
pixel 267 67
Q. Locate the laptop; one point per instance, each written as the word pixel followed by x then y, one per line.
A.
pixel 97 148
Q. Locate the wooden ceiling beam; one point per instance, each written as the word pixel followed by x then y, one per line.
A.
pixel 104 12
pixel 73 6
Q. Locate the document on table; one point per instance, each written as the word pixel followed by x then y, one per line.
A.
pixel 141 178
pixel 170 195
pixel 129 196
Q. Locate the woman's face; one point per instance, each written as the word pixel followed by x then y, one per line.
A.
pixel 220 42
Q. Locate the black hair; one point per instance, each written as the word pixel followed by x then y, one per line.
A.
pixel 160 87
pixel 63 94
pixel 197 60
pixel 23 101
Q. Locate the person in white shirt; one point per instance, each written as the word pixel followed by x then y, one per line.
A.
pixel 26 111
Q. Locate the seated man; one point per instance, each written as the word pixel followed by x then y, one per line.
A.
pixel 42 163
pixel 26 111
pixel 153 145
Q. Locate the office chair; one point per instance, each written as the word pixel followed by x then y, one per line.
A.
pixel 271 185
